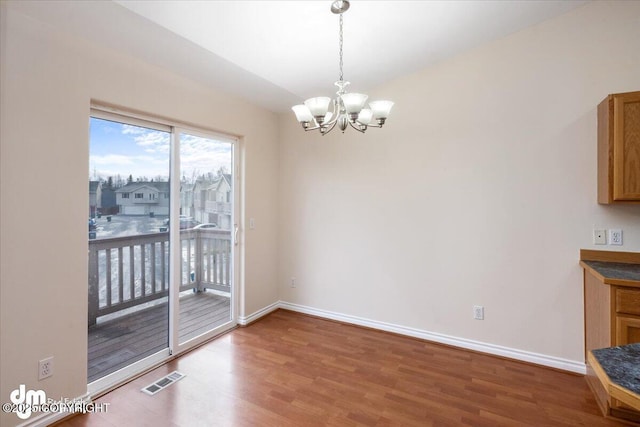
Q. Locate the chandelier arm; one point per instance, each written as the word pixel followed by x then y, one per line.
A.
pixel 330 122
pixel 324 128
pixel 307 129
pixel 373 125
pixel 312 125
pixel 329 129
pixel 334 116
pixel 359 128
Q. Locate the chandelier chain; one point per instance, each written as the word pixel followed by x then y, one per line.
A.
pixel 341 39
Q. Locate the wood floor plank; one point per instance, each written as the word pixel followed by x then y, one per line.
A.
pixel 116 343
pixel 290 369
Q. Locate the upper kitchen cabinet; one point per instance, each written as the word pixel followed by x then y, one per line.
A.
pixel 619 148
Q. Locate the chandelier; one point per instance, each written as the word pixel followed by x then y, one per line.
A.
pixel 346 108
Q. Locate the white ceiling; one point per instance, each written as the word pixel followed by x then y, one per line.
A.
pixel 278 53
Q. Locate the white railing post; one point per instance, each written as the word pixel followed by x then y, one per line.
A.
pixel 198 264
pixel 94 291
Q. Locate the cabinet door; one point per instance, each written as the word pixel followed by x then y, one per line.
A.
pixel 628 301
pixel 626 142
pixel 627 330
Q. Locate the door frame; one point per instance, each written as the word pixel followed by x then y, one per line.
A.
pixel 122 115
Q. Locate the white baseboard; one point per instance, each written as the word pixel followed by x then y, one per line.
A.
pixel 497 350
pixel 47 419
pixel 245 320
pixel 511 353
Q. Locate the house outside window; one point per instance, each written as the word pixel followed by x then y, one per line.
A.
pixel 125 195
pixel 139 195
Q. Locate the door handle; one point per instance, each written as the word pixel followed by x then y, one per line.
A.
pixel 235 235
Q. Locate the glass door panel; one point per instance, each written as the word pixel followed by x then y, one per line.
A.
pixel 128 242
pixel 206 234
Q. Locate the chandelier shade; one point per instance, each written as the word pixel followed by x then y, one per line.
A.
pixel 365 116
pixel 381 109
pixel 346 109
pixel 319 106
pixel 353 102
pixel 302 113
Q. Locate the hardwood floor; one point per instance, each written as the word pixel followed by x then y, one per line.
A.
pixel 289 369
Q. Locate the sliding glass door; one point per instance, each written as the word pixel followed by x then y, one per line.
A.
pixel 206 230
pixel 128 283
pixel 161 242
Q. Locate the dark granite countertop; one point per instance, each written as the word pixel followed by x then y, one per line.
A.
pixel 621 364
pixel 616 272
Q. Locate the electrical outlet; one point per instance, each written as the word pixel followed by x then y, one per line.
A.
pixel 478 312
pixel 615 236
pixel 45 368
pixel 600 237
pixel 293 282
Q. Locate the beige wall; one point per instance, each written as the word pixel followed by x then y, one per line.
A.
pixel 481 189
pixel 47 83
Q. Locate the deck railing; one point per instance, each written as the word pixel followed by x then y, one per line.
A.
pixel 129 271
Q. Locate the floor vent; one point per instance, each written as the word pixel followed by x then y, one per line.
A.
pixel 163 382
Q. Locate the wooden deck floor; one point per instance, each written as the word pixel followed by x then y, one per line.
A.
pixel 118 342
